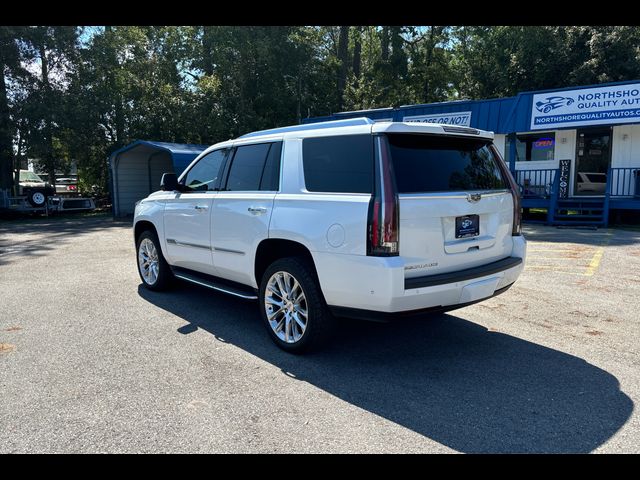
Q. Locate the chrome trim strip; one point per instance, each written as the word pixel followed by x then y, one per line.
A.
pixel 172 241
pixel 226 250
pixel 435 195
pixel 215 287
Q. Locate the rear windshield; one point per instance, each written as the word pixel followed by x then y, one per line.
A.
pixel 425 163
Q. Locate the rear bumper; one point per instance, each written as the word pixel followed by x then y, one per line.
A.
pixel 374 316
pixel 462 275
pixel 377 284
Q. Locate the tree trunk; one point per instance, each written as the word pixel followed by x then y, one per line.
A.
pixel 6 148
pixel 426 92
pixel 207 46
pixel 20 157
pixel 384 44
pixel 117 96
pixel 49 158
pixel 343 58
pixel 357 53
pixel 299 103
pixel 398 59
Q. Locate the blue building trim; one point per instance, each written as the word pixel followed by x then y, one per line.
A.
pixel 499 115
pixel 509 116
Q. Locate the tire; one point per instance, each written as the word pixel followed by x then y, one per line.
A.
pixel 319 323
pixel 164 277
pixel 37 198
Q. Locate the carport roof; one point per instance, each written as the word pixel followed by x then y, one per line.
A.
pixel 181 153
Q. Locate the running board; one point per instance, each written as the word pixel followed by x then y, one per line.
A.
pixel 214 283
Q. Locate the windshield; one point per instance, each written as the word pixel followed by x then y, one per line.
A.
pixel 30 177
pixel 427 163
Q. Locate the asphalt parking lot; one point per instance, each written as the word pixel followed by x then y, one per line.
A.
pixel 92 362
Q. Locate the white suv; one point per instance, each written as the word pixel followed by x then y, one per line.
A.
pixel 344 218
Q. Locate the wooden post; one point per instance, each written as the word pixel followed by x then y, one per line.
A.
pixel 512 153
pixel 607 194
pixel 553 198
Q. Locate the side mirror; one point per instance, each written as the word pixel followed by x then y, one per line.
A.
pixel 169 182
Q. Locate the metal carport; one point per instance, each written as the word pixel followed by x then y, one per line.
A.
pixel 137 168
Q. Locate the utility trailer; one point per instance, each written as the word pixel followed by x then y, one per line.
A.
pixel 54 204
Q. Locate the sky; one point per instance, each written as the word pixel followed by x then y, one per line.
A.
pixel 88 32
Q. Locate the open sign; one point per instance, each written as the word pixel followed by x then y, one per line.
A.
pixel 543 143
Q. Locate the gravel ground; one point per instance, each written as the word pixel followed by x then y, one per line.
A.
pixel 91 362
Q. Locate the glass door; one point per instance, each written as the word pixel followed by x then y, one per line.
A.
pixel 593 155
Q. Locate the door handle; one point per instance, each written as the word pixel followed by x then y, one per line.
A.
pixel 200 207
pixel 257 210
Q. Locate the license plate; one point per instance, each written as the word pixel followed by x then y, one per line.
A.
pixel 467 226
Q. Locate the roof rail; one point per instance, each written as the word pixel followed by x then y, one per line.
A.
pixel 350 122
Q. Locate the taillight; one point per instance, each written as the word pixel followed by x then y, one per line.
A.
pixel 517 210
pixel 383 226
pixel 515 193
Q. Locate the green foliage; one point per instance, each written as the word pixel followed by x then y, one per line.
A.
pixel 502 61
pixel 73 93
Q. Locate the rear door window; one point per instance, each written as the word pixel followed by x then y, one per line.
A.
pixel 338 164
pixel 426 163
pixel 247 167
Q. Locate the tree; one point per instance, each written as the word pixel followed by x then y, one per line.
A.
pixel 502 61
pixel 68 93
pixel 50 52
pixel 343 63
pixel 10 58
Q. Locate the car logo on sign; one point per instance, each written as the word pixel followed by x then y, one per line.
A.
pixel 551 103
pixel 466 223
pixel 473 197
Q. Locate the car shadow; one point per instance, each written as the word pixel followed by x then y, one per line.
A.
pixel 443 377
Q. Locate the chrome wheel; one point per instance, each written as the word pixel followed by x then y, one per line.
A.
pixel 148 261
pixel 286 307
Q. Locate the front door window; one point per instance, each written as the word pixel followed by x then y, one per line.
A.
pixel 593 155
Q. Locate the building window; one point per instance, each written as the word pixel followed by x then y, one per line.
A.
pixel 533 147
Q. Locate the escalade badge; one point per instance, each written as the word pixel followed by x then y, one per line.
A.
pixel 473 197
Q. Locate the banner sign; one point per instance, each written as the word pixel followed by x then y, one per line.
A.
pixel 563 184
pixel 456 118
pixel 587 106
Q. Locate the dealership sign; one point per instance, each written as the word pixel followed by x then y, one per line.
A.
pixel 587 106
pixel 455 118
